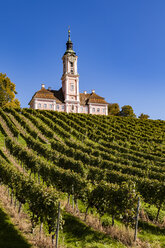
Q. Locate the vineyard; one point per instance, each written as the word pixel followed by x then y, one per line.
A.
pixel 105 163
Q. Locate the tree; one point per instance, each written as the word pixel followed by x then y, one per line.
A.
pixel 113 109
pixel 127 111
pixel 7 93
pixel 143 116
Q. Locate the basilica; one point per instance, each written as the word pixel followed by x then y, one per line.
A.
pixel 67 98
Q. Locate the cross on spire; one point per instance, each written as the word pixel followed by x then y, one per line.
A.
pixel 69 33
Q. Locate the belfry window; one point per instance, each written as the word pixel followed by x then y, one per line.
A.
pixel 71 67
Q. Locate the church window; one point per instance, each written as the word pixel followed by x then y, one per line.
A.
pixel 62 107
pixel 72 107
pixel 58 107
pixel 98 110
pixel 71 67
pixel 81 109
pixel 93 110
pixel 39 105
pixel 72 87
pixel 45 106
pixel 103 110
pixel 51 106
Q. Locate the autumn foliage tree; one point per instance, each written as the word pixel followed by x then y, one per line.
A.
pixel 143 116
pixel 7 93
pixel 127 111
pixel 113 109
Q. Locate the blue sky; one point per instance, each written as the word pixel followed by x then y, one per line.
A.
pixel 120 46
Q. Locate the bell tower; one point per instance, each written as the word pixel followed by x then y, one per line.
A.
pixel 70 78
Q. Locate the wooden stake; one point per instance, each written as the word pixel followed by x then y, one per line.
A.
pixel 72 196
pixel 58 224
pixel 137 216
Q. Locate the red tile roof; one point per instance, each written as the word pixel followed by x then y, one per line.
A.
pixel 91 98
pixel 58 96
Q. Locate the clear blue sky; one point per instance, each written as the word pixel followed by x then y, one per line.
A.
pixel 120 46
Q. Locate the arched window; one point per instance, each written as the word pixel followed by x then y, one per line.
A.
pixel 72 87
pixel 71 67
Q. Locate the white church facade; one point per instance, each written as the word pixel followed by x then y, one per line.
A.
pixel 67 98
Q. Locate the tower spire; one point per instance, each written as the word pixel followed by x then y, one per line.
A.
pixel 69 44
pixel 69 33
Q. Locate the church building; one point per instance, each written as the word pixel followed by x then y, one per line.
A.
pixel 67 98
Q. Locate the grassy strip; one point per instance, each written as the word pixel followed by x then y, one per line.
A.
pixel 77 234
pixel 152 234
pixel 10 237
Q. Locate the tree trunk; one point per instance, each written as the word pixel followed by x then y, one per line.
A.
pixel 11 201
pixel 86 212
pixel 113 220
pixel 40 235
pixel 19 209
pixel 38 178
pixel 157 216
pixel 68 199
pixel 73 201
pixel 76 204
pixel 72 196
pixel 15 203
pixel 8 192
pixel 53 235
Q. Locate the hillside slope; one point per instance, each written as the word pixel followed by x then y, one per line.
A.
pixel 75 152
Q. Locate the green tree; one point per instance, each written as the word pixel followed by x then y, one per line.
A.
pixel 113 109
pixel 127 111
pixel 143 116
pixel 7 93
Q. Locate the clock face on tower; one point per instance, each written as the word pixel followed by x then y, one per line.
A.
pixel 72 59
